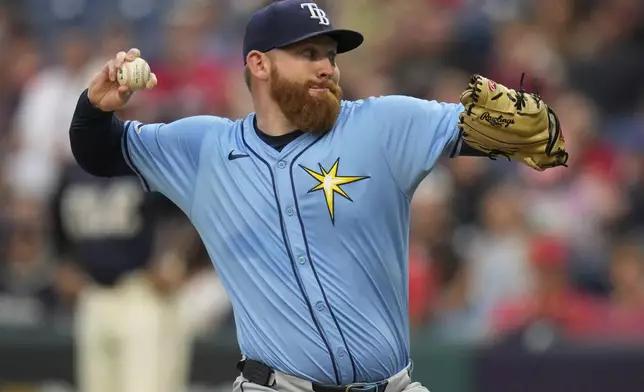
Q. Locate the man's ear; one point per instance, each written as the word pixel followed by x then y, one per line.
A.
pixel 258 64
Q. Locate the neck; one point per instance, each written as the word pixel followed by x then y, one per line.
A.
pixel 271 120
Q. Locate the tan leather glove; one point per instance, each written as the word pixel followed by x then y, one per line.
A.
pixel 503 122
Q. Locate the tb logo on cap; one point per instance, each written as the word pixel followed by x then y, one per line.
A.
pixel 316 13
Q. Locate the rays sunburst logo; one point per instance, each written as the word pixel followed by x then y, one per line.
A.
pixel 330 184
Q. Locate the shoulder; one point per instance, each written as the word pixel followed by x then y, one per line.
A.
pixel 207 122
pixel 388 106
pixel 377 102
pixel 199 124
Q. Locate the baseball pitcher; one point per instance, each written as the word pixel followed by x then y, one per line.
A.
pixel 304 204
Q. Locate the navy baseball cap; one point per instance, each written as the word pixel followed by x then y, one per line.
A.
pixel 286 22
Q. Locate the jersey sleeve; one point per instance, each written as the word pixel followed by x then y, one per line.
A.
pixel 166 156
pixel 414 134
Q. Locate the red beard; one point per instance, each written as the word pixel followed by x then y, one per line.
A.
pixel 307 112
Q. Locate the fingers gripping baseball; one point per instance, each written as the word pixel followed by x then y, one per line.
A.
pixel 119 78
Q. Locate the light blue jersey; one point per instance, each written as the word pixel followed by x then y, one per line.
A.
pixel 310 242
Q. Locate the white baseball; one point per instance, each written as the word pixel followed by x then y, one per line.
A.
pixel 135 74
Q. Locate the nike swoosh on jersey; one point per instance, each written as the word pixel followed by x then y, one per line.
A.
pixel 232 156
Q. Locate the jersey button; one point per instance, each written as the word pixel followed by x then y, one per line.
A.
pixel 320 306
pixel 281 164
pixel 290 211
pixel 341 352
pixel 301 259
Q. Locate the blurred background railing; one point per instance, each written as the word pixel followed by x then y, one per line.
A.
pixel 519 281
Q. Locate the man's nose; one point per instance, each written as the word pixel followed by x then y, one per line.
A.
pixel 326 69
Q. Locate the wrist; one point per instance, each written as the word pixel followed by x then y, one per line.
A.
pixel 92 107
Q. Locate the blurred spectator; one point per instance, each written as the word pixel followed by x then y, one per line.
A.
pixel 515 49
pixel 552 297
pixel 191 82
pixel 414 62
pixel 429 232
pixel 623 316
pixel 455 318
pixel 581 203
pixel 43 117
pixel 104 237
pixel 26 277
pixel 203 301
pixel 631 161
pixel 606 43
pixel 471 182
pixel 114 38
pixel 497 252
pixel 16 72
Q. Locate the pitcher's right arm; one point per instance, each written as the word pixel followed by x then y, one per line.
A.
pixel 164 156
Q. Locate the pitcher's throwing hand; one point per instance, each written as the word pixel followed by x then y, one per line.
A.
pixel 105 92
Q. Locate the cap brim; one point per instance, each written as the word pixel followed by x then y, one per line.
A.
pixel 347 40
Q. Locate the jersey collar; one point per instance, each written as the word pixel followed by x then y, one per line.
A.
pixel 260 147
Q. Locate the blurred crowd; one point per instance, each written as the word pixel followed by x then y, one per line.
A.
pixel 495 245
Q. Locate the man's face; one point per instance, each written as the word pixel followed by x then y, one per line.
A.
pixel 304 83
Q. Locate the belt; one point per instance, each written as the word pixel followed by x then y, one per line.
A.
pixel 258 373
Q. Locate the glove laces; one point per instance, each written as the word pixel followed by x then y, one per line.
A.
pixel 520 101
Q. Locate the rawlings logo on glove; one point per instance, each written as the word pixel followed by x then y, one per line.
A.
pixel 515 124
pixel 498 122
